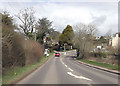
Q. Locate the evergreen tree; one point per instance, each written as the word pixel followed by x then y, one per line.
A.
pixel 67 35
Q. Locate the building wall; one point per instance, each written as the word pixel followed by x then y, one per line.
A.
pixel 115 41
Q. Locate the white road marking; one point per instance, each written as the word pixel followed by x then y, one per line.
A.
pixel 70 69
pixel 66 66
pixel 62 62
pixel 79 77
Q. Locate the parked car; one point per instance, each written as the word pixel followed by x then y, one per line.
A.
pixel 57 54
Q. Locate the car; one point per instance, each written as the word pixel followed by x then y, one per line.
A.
pixel 57 54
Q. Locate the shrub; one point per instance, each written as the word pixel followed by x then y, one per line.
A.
pixel 78 58
pixel 68 47
pixel 56 47
pixel 12 52
pixel 33 51
pixel 103 54
pixel 16 51
pixel 100 54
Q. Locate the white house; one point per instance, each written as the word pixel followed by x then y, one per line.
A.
pixel 114 41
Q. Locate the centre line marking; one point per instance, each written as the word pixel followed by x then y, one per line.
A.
pixel 66 66
pixel 79 77
pixel 70 69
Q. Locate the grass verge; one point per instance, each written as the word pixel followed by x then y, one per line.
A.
pixel 13 74
pixel 105 65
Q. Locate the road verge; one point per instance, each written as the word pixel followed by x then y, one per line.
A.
pixel 21 72
pixel 98 67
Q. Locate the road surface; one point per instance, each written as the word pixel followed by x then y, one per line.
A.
pixel 65 70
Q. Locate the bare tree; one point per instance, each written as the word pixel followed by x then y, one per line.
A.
pixel 27 19
pixel 92 29
pixel 109 34
pixel 83 38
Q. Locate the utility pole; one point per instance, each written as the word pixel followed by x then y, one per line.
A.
pixel 64 49
pixel 35 32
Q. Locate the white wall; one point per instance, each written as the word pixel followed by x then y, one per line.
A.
pixel 115 41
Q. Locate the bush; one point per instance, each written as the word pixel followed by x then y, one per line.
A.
pixel 68 47
pixel 33 51
pixel 56 47
pixel 12 52
pixel 100 54
pixel 103 54
pixel 16 51
pixel 50 49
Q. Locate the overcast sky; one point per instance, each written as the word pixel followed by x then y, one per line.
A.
pixel 103 14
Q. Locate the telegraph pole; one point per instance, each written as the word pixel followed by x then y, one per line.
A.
pixel 64 49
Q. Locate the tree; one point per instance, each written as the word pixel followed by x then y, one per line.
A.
pixel 83 39
pixel 27 19
pixel 44 26
pixel 101 37
pixel 12 51
pixel 109 34
pixel 7 19
pixel 67 35
pixel 92 29
pixel 55 35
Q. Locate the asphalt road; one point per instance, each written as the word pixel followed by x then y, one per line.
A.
pixel 65 70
